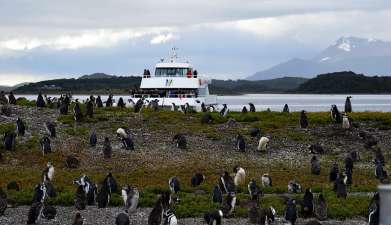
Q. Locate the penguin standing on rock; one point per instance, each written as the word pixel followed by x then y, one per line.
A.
pixel 77 114
pixel 224 111
pixel 20 127
pixel 348 105
pixel 161 205
pixel 217 195
pixel 291 211
pixel 345 122
pixel 285 109
pixel 48 172
pixel 109 102
pixel 335 114
pixel 11 98
pixel 51 129
pixel 9 140
pixel 303 119
pixel 40 101
pixel 214 218
pixel 104 195
pixel 121 103
pixel 244 109
pixel 45 145
pixel 227 183
pixel 130 197
pixel 252 107
pixel 93 139
pixel 254 190
pixel 240 175
pixel 89 188
pixel 320 208
pixel 374 210
pixel 98 102
pixel 80 199
pixel 307 205
pixel 174 185
pixel 197 179
pixel 180 140
pixel 229 204
pixel 240 143
pixel 340 186
pixel 107 150
pixel 169 218
pixel 90 108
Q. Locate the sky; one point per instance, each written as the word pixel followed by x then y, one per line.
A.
pixel 223 39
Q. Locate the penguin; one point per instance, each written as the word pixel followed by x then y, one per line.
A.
pixel 180 140
pixel 266 180
pixel 93 139
pixel 174 108
pixel 206 118
pixel 340 186
pixel 334 171
pixel 307 205
pixel 379 172
pixel 254 214
pixel 266 215
pixel 244 109
pixel 90 108
pixel 240 143
pixel 355 155
pixel 229 204
pixel 315 166
pixel 127 143
pixel 99 102
pixel 122 132
pixel 77 114
pixel 263 143
pixel 130 197
pixel 224 111
pixel 214 217
pixel 40 101
pixel 335 114
pixel 217 195
pixel 78 220
pixel 34 212
pixel 64 107
pixel 155 105
pixel 51 129
pixel 121 103
pixel 40 193
pixel 48 172
pixel 285 109
pixel 80 198
pixel 348 180
pixel 104 195
pixel 9 141
pixel 139 105
pixel 3 99
pixel 349 164
pixel 169 218
pixel 254 190
pixel 156 215
pixel 20 127
pixel 320 208
pixel 252 107
pixel 122 219
pixel 45 145
pixel 111 183
pixel 316 149
pixel 240 175
pixel 89 188
pixel 131 103
pixel 374 210
pixel 303 119
pixel 3 205
pixel 174 185
pixel 197 179
pixel 203 108
pixel 49 212
pixel 291 211
pixel 227 184
pixel 345 122
pixel 11 98
pixel 107 150
pixel 348 105
pixel 109 102
pixel 294 187
pixel 50 190
pixel 254 132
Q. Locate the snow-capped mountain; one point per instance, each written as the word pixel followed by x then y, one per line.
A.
pixel 367 56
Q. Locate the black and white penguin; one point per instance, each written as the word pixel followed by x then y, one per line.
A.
pixel 214 217
pixel 334 171
pixel 174 108
pixel 240 143
pixel 9 140
pixel 63 106
pixel 45 145
pixel 340 186
pixel 229 204
pixel 80 198
pixel 254 132
pixel 345 122
pixel 320 208
pixel 291 211
pixel 294 187
pixel 34 212
pixel 174 185
pixel 130 103
pixel 122 219
pixel 48 172
pixel 139 105
pixel 127 143
pixel 156 215
pixel 90 108
pixel 307 205
pixel 49 212
pixel 374 210
pixel 40 193
pixel 130 197
pixel 252 107
pixel 379 171
pixel 217 195
pixel 11 98
pixel 315 166
pixel 203 108
pixel 98 102
pixel 263 143
pixel 258 215
pixel 180 140
pixel 224 111
pixel 348 163
pixel 316 149
pixel 51 129
pixel 197 179
pixel 20 127
pixel 348 105
pixel 303 119
pixel 77 114
pixel 335 114
pixel 109 102
pixel 285 109
pixel 40 101
pixel 169 218
pixel 104 195
pixel 111 183
pixel 244 109
pixel 50 190
pixel 266 180
pixel 93 139
pixel 107 150
pixel 121 103
pixel 226 183
pixel 78 220
pixel 155 105
pixel 89 188
pixel 240 175
pixel 254 190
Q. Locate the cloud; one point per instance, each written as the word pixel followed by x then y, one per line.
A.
pixel 163 38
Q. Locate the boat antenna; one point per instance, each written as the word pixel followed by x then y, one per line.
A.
pixel 174 54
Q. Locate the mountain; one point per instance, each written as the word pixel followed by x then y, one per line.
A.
pixel 10 88
pixel 97 76
pixel 367 56
pixel 346 82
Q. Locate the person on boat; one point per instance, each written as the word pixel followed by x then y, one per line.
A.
pixel 189 74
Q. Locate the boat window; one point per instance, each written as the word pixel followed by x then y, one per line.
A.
pixel 171 72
